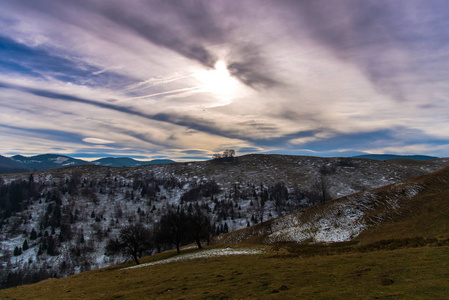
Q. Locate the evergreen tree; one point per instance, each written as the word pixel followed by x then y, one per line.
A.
pixel 33 235
pixel 25 245
pixel 51 247
pixel 17 251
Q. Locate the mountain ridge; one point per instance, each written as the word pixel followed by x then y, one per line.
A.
pixel 383 157
pixel 128 162
pixel 49 161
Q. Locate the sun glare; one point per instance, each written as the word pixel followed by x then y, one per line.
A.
pixel 218 80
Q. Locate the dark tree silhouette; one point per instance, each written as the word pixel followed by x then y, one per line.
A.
pixel 227 156
pixel 172 229
pixel 199 226
pixel 133 240
pixel 320 189
pixel 17 251
pixel 25 245
pixel 33 235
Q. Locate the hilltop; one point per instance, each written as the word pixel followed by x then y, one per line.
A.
pixel 383 157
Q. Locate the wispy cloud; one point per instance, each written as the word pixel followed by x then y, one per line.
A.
pixel 312 77
pixel 92 140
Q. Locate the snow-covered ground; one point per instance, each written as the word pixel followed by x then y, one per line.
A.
pixel 202 254
pixel 337 221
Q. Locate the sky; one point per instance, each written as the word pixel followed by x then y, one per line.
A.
pixel 154 79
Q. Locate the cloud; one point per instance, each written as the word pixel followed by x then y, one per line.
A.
pixel 318 76
pixel 97 141
pixel 191 19
pixel 52 135
pixel 388 41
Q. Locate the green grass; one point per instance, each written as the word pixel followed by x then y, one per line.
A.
pixel 409 273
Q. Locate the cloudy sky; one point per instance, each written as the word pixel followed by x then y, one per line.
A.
pixel 186 79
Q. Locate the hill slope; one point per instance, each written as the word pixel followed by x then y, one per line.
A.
pixel 270 263
pixel 418 273
pixel 78 208
pixel 8 165
pixel 417 207
pixel 48 161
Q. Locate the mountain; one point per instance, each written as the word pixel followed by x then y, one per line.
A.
pixel 8 165
pixel 383 157
pixel 128 162
pixel 390 242
pixel 20 163
pixel 66 216
pixel 48 161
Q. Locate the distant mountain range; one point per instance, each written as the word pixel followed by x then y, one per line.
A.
pixel 20 163
pixel 393 156
pixel 129 162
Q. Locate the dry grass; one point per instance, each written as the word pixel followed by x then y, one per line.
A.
pixel 405 273
pixel 425 215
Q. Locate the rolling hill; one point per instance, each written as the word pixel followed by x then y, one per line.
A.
pixel 390 242
pixel 417 207
pixel 78 208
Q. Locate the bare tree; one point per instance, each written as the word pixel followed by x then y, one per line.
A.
pixel 199 225
pixel 229 153
pixel 133 240
pixel 227 156
pixel 172 229
pixel 321 189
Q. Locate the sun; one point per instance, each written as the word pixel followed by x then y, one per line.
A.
pixel 218 81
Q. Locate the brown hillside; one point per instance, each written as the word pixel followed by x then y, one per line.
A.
pixel 426 214
pixel 412 208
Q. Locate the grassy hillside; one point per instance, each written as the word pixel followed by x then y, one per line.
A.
pixel 411 273
pixel 418 207
pixel 426 214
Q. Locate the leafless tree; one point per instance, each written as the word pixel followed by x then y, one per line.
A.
pixel 133 240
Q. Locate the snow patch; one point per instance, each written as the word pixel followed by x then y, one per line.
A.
pixel 59 160
pixel 203 254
